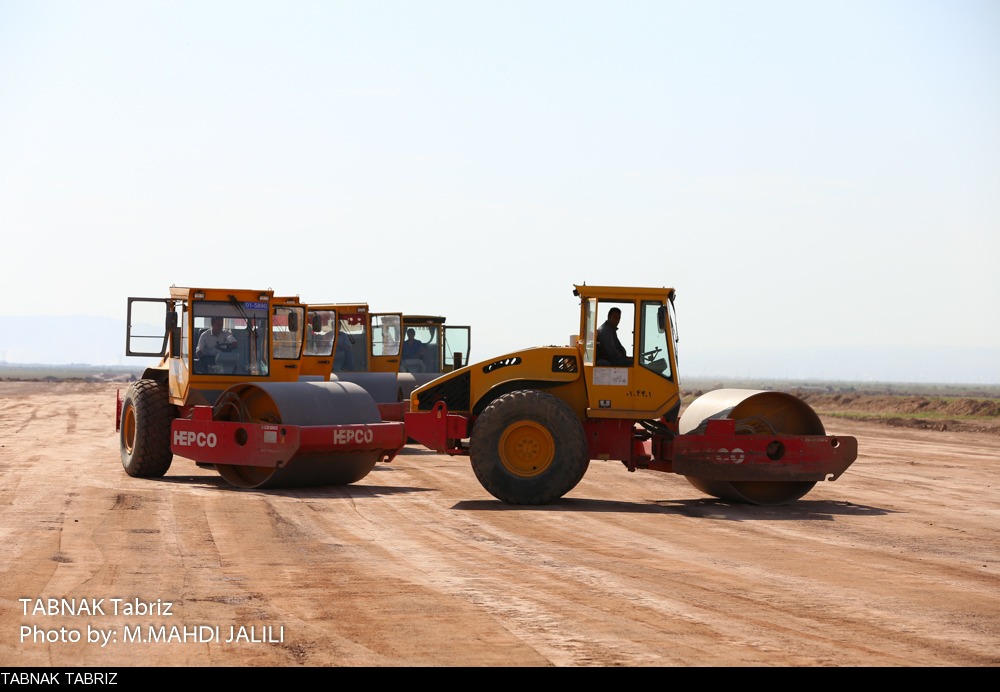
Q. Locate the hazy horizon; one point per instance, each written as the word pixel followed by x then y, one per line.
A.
pixel 100 341
pixel 818 181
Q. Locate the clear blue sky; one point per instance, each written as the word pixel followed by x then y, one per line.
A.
pixel 820 181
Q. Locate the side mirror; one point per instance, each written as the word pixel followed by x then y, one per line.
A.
pixel 293 321
pixel 661 318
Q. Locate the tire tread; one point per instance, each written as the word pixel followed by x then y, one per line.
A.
pixel 571 455
pixel 151 455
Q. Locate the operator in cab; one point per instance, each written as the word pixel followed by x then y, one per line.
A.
pixel 413 352
pixel 214 341
pixel 609 348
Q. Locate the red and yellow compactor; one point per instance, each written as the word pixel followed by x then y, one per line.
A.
pixel 532 420
pixel 237 399
pixel 267 407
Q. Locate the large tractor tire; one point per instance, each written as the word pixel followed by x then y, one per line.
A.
pixel 528 448
pixel 144 435
pixel 300 403
pixel 759 412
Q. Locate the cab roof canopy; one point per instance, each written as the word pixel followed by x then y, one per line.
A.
pixel 621 292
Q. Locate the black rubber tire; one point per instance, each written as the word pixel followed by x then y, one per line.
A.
pixel 144 435
pixel 528 448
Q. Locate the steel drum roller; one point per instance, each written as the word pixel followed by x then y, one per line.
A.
pixel 381 386
pixel 408 381
pixel 755 412
pixel 387 387
pixel 300 403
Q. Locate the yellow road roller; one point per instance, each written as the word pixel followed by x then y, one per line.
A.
pixel 228 391
pixel 532 420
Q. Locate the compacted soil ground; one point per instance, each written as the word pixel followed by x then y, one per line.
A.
pixel 896 563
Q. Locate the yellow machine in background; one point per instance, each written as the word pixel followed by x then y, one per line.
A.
pixel 365 341
pixel 350 343
pixel 444 346
pixel 347 342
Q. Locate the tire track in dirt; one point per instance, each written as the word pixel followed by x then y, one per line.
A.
pixel 893 564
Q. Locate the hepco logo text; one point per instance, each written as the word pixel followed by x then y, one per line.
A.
pixel 353 435
pixel 189 438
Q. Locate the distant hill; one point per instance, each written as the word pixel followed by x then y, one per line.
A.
pixel 64 340
pixel 100 341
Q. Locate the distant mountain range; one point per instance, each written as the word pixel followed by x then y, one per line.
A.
pixel 64 340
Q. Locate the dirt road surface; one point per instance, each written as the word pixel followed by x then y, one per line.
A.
pixel 897 563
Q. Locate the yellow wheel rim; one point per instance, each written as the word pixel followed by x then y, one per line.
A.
pixel 128 429
pixel 527 449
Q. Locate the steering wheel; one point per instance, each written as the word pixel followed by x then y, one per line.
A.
pixel 226 347
pixel 650 356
